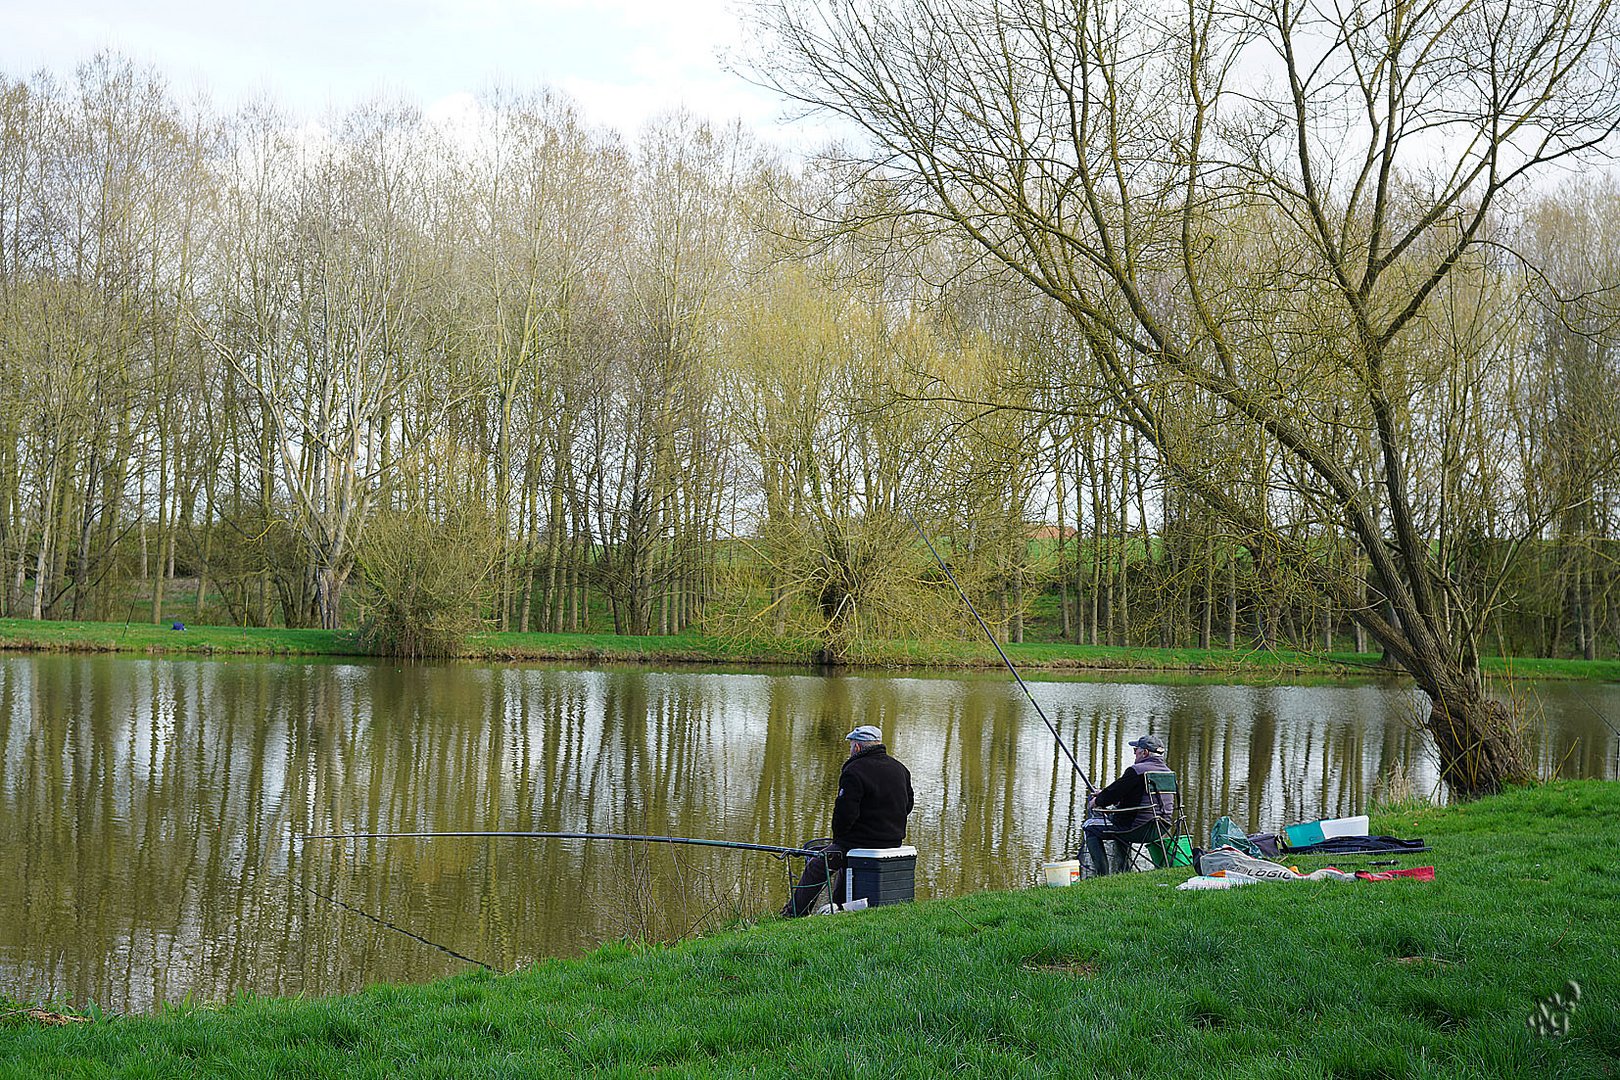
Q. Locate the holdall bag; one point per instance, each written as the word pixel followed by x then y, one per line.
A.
pixel 1231 859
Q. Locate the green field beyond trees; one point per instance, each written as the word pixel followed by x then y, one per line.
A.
pixel 1122 976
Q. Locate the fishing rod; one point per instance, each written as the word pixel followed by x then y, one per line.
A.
pixel 775 849
pixel 1584 700
pixel 1000 652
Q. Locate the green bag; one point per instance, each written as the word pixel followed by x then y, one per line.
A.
pixel 1180 851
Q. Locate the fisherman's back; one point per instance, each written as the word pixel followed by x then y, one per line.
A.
pixel 874 797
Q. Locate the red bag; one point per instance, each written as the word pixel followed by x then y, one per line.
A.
pixel 1421 873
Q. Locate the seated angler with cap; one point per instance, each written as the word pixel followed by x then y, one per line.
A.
pixel 1135 820
pixel 874 798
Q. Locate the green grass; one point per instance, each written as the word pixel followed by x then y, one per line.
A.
pixel 144 637
pixel 1537 667
pixel 696 648
pixel 1121 976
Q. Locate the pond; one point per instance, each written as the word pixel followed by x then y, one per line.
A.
pixel 151 810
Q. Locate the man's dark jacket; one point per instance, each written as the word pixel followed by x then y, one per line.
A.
pixel 874 797
pixel 1131 790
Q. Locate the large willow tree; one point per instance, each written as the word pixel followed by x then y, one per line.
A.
pixel 1248 212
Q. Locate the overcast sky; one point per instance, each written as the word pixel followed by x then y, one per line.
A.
pixel 622 60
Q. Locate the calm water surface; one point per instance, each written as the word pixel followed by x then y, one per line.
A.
pixel 149 809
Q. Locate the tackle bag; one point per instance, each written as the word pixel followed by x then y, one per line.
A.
pixel 1226 834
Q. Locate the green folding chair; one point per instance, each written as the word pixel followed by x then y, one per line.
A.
pixel 1173 845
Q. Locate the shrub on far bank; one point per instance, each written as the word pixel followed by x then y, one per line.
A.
pixel 424 581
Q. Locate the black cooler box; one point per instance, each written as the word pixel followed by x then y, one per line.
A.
pixel 880 875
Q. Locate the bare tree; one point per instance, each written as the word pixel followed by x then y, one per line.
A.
pixel 666 453
pixel 543 199
pixel 318 319
pixel 1250 206
pixel 1568 398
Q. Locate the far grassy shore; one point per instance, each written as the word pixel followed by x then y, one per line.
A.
pixel 696 648
pixel 1122 976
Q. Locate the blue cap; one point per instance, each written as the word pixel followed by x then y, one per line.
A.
pixel 864 733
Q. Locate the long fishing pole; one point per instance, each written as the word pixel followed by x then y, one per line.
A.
pixel 1584 700
pixel 1000 652
pixel 774 849
pixel 779 851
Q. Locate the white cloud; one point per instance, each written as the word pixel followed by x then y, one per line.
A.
pixel 623 60
pixel 457 118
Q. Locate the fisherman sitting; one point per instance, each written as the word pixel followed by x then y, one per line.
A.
pixel 1137 821
pixel 874 797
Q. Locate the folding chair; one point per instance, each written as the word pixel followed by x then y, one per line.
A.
pixel 1161 844
pixel 1164 849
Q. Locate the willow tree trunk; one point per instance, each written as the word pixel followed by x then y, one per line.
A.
pixel 1478 738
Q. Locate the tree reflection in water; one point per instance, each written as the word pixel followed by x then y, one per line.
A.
pixel 148 806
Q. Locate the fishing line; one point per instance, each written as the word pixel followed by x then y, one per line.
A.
pixel 1597 713
pixel 1584 700
pixel 380 921
pixel 1000 652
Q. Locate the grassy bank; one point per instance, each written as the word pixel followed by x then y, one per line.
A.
pixel 696 648
pixel 1121 976
pixel 139 637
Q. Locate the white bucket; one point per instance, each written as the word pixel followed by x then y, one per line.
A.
pixel 1061 873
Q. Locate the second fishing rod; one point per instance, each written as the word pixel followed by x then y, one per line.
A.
pixel 991 637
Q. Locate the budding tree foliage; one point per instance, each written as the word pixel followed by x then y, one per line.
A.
pixel 1248 213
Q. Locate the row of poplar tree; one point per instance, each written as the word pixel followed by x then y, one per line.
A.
pixel 506 368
